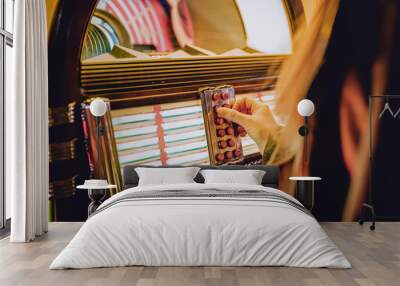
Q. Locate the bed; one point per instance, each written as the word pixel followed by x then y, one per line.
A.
pixel 201 224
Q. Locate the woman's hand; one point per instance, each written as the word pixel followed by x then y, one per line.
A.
pixel 254 116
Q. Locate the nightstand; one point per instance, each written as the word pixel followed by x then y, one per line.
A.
pixel 305 190
pixel 96 195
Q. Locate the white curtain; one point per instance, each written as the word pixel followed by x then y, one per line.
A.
pixel 27 128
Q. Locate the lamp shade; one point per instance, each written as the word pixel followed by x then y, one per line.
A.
pixel 305 107
pixel 98 107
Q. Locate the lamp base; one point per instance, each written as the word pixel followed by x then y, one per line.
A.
pixel 303 131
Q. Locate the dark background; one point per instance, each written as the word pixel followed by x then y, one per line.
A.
pixel 355 43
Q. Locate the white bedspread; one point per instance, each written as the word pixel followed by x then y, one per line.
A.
pixel 200 231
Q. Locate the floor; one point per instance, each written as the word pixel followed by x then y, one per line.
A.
pixel 375 257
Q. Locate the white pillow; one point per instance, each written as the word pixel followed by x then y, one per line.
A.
pixel 247 177
pixel 166 176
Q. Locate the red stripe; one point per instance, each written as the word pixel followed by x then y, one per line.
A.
pixel 145 23
pixel 135 21
pixel 155 35
pixel 160 134
pixel 154 32
pixel 111 10
pixel 162 36
pixel 152 11
pixel 88 148
pixel 126 20
pixel 165 32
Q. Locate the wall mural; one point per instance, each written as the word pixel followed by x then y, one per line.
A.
pixel 149 58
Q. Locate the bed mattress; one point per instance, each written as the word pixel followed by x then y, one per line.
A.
pixel 201 225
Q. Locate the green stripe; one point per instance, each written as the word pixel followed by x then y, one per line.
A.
pixel 188 150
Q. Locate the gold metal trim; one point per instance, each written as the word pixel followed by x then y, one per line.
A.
pixel 62 115
pixel 106 166
pixel 119 78
pixel 183 68
pixel 114 22
pixel 186 60
pixel 63 188
pixel 266 84
pixel 291 15
pixel 126 89
pixel 63 151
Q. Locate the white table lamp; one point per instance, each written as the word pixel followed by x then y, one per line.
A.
pixel 98 108
pixel 305 108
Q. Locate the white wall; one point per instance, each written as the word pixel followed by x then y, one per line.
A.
pixel 267 26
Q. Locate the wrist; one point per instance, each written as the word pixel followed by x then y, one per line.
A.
pixel 262 145
pixel 270 149
pixel 264 135
pixel 173 3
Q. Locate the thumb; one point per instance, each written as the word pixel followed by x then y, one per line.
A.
pixel 235 116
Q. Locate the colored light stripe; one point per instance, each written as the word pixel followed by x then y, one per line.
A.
pixel 157 12
pixel 156 35
pixel 140 156
pixel 133 118
pixel 186 147
pixel 146 23
pixel 160 134
pixel 188 158
pixel 132 21
pixel 137 144
pixel 180 124
pixel 184 136
pixel 149 163
pixel 136 14
pixel 135 132
pixel 181 111
pixel 114 9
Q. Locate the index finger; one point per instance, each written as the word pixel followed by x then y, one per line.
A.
pixel 246 104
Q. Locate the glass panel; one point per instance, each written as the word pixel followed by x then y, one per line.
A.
pixel 266 17
pixel 171 133
pixel 8 90
pixel 187 28
pixel 9 9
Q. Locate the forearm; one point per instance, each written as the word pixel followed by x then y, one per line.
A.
pixel 275 151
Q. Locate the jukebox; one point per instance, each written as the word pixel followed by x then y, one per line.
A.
pixel 148 59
